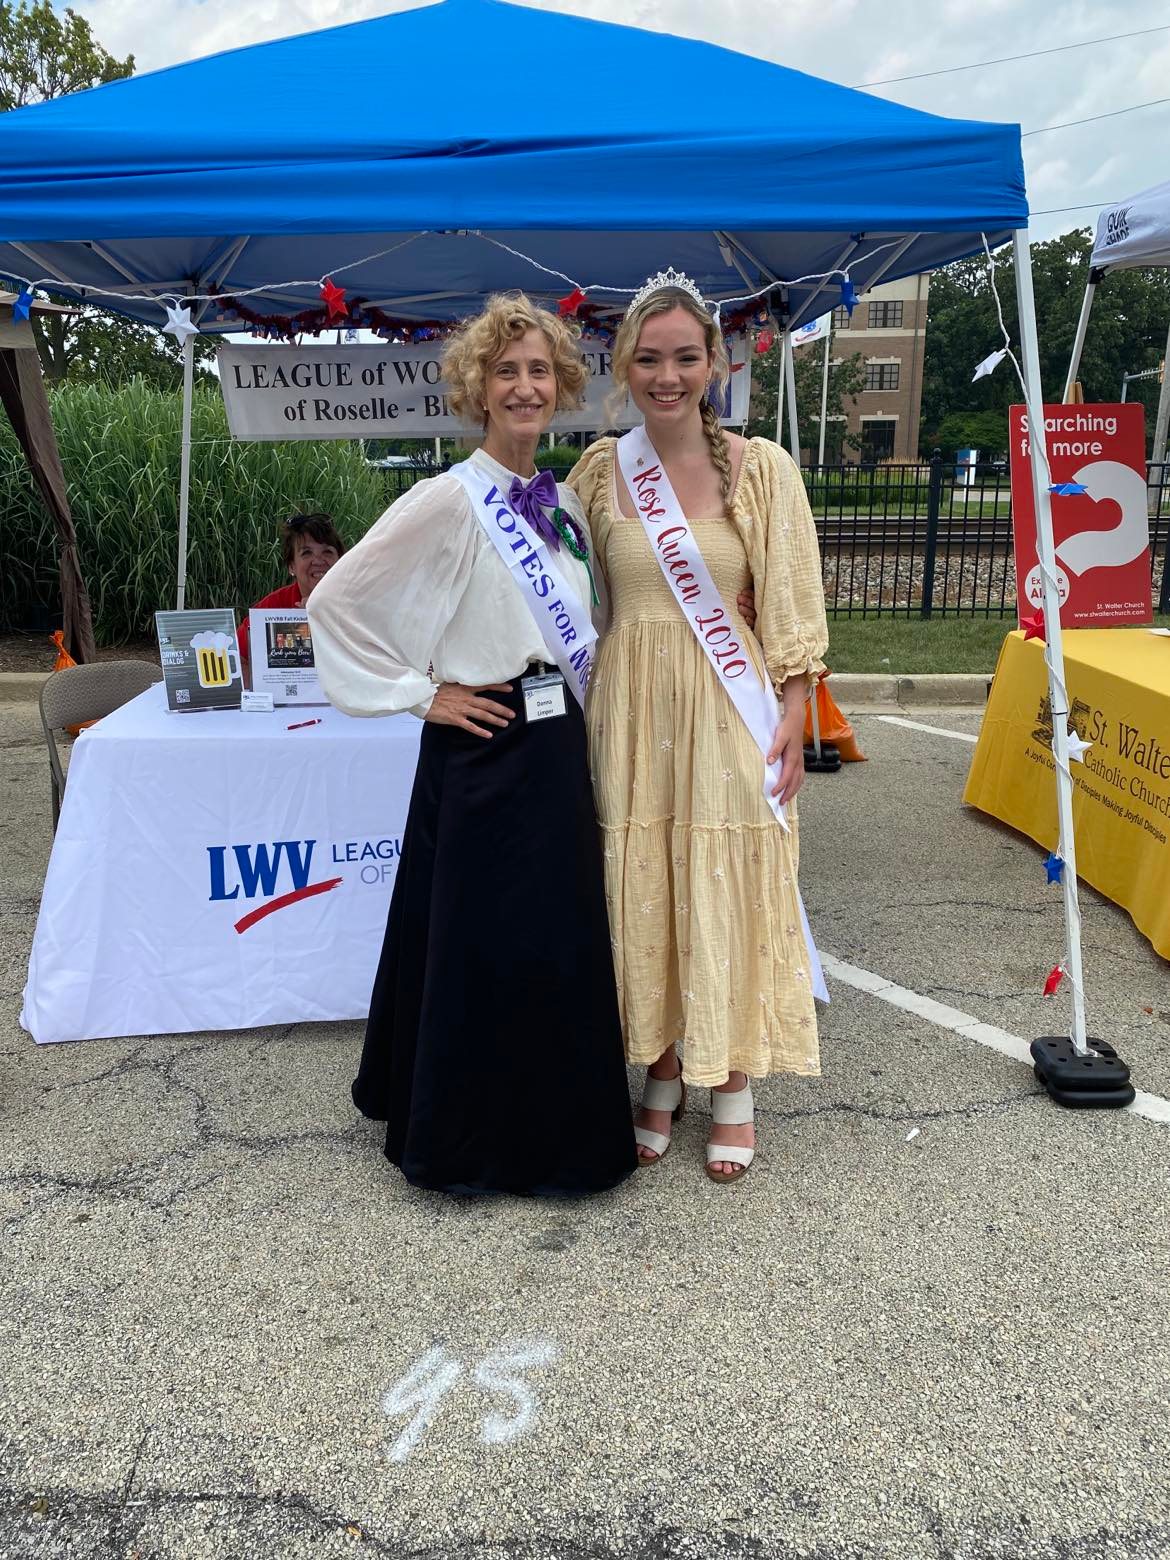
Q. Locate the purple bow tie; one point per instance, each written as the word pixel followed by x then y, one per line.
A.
pixel 528 497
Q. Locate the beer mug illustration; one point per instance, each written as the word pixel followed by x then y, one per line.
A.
pixel 217 658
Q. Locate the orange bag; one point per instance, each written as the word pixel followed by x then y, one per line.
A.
pixel 64 659
pixel 62 664
pixel 834 727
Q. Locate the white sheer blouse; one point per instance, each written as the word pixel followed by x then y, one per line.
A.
pixel 424 598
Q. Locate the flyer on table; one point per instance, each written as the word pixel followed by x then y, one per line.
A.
pixel 1100 523
pixel 282 655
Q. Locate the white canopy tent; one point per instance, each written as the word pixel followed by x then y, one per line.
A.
pixel 1131 233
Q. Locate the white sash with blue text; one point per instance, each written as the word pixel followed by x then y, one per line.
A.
pixel 563 619
pixel 685 570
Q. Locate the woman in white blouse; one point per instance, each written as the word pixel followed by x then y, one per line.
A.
pixel 493 1048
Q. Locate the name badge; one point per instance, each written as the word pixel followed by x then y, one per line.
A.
pixel 544 696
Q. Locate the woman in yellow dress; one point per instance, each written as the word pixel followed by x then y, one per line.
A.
pixel 709 939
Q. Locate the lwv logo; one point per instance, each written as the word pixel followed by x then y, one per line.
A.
pixel 247 872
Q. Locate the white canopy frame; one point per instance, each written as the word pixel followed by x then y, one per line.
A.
pixel 1131 234
pixel 1053 635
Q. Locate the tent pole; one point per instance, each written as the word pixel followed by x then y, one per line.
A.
pixel 1079 342
pixel 781 382
pixel 790 388
pixel 1162 421
pixel 1057 688
pixel 824 395
pixel 185 470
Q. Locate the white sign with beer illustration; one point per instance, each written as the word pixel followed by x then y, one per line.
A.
pixel 200 659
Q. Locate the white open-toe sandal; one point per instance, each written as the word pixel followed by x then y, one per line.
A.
pixel 730 1110
pixel 660 1094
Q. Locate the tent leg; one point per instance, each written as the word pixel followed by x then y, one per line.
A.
pixel 1083 1073
pixel 1162 420
pixel 781 383
pixel 824 396
pixel 185 470
pixel 1079 340
pixel 790 391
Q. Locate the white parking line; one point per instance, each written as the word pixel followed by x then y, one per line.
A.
pixel 919 725
pixel 1152 1106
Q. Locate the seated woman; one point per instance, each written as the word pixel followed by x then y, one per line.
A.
pixel 310 546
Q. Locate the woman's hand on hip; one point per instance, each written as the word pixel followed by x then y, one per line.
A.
pixel 788 748
pixel 456 705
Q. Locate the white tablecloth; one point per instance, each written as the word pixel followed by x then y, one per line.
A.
pixel 215 870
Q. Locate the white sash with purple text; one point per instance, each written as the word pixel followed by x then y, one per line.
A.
pixel 685 570
pixel 563 619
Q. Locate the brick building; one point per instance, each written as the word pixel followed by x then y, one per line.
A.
pixel 888 328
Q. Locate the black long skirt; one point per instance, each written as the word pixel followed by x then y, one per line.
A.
pixel 493 1049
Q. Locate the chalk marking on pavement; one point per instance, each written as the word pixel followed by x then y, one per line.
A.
pixel 424 1387
pixel 1152 1106
pixel 498 1373
pixel 435 1373
pixel 920 725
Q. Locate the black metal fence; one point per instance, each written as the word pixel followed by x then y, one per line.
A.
pixel 935 540
pixel 924 540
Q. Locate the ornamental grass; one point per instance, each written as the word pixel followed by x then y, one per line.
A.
pixel 120 449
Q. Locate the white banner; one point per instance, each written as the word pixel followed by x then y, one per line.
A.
pixel 274 391
pixel 813 330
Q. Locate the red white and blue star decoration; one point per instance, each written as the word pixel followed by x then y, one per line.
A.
pixel 1033 626
pixel 1076 748
pixel 333 298
pixel 1054 866
pixel 179 323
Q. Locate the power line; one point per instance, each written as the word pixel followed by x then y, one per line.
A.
pixel 1085 205
pixel 1007 59
pixel 1093 118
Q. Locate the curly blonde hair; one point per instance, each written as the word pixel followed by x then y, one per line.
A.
pixel 626 344
pixel 477 344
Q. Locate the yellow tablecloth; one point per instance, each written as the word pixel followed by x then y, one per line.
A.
pixel 1119 693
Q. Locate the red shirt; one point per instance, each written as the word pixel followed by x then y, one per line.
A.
pixel 287 596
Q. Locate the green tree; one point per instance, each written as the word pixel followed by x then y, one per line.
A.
pixel 91 347
pixel 986 432
pixel 846 380
pixel 1127 332
pixel 44 55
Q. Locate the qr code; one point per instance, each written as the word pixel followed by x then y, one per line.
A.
pixel 182 695
pixel 290 690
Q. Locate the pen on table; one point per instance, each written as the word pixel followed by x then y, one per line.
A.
pixel 298 724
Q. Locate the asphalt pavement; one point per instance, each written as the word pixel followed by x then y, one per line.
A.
pixel 932 1321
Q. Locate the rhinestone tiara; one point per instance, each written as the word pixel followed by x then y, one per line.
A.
pixel 668 278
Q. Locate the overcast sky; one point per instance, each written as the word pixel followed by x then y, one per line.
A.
pixel 850 41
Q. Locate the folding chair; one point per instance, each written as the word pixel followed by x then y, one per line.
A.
pixel 84 693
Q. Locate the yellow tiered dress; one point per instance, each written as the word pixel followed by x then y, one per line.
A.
pixel 700 878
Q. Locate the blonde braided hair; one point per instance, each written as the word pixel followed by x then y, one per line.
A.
pixel 720 451
pixel 625 345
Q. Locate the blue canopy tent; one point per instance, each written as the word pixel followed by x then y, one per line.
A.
pixel 426 158
pixel 578 142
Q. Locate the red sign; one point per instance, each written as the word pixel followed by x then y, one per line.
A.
pixel 1097 455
